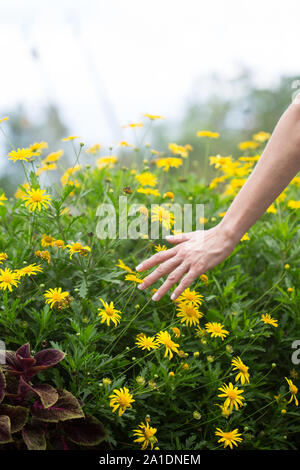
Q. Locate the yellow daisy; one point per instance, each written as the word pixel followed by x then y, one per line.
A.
pixel 233 396
pixel 229 438
pixel 216 330
pixel 121 399
pixel 8 279
pixel 36 199
pixel 163 337
pixel 109 313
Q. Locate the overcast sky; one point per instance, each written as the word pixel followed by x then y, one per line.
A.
pixel 105 62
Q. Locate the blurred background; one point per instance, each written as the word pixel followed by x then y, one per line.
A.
pixel 87 67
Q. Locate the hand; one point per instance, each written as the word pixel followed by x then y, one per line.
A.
pixel 193 255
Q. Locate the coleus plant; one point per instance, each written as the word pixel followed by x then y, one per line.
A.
pixel 38 415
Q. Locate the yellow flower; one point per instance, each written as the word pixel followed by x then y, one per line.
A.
pixel 109 162
pixel 176 331
pixel 266 318
pixel 164 216
pixel 133 278
pixel 159 248
pixel 243 374
pixel 78 248
pixel 121 399
pixel 169 162
pixel 148 191
pixel 47 240
pixel 109 313
pixel 190 296
pixel 133 125
pixel 204 278
pixel 3 257
pixel 248 145
pixel 53 157
pixel 60 244
pixel 211 135
pixel 23 154
pixel 147 179
pixel 163 337
pixel 153 117
pixel 8 279
pixel 169 195
pixel 2 198
pixel 216 330
pixel 122 265
pixel 94 149
pixel 123 143
pixel 29 270
pixel 225 411
pixel 22 191
pixel 182 150
pixel 188 313
pixel 261 136
pixel 71 137
pixel 43 254
pixel 37 147
pixel 245 237
pixel 233 396
pixel 4 119
pixel 294 204
pixel 56 297
pixel 48 167
pixel 36 199
pixel 271 209
pixel 293 390
pixel 146 342
pixel 229 438
pixel 106 381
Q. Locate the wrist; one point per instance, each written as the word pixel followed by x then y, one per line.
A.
pixel 230 231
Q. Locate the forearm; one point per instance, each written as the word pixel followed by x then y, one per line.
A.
pixel 276 167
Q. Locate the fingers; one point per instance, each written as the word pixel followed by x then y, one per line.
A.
pixel 173 277
pixel 162 269
pixel 156 259
pixel 181 237
pixel 186 281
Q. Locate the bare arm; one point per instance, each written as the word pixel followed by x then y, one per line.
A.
pixel 196 252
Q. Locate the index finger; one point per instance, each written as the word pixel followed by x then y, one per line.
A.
pixel 156 259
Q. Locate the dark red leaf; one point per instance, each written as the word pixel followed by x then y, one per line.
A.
pixel 34 436
pixel 5 431
pixel 66 407
pixel 47 394
pixel 2 386
pixel 48 358
pixel 18 416
pixel 87 431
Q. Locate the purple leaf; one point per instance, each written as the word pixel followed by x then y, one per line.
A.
pixel 5 431
pixel 18 416
pixel 66 407
pixel 47 394
pixel 86 431
pixel 48 358
pixel 2 386
pixel 24 351
pixel 34 436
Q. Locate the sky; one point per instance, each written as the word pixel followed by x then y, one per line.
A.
pixel 105 63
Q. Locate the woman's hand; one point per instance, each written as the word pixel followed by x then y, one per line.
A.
pixel 193 255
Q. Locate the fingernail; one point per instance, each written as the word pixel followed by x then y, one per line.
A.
pixel 155 296
pixel 173 296
pixel 138 267
pixel 141 286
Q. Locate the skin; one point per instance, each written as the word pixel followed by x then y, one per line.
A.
pixel 194 253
